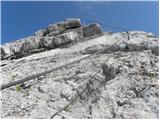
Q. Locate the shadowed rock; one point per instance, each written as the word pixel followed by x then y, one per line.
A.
pixel 91 30
pixel 48 42
pixel 108 71
pixel 2 52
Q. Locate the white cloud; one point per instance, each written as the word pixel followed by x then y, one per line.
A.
pixel 88 5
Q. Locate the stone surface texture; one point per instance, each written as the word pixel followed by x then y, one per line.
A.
pixel 119 83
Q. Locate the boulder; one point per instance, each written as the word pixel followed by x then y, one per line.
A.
pixel 66 38
pixel 79 32
pixel 16 47
pixel 62 37
pixel 5 51
pixel 25 45
pixel 64 25
pixel 48 42
pixel 30 44
pixel 91 30
pixel 73 23
pixel 39 40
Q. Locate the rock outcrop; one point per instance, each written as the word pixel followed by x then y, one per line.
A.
pixel 120 82
pixel 134 44
pixel 55 35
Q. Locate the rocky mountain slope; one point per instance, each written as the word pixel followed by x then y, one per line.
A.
pixel 120 81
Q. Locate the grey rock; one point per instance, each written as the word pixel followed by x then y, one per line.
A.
pixel 49 42
pixel 120 83
pixel 30 44
pixel 66 38
pixel 54 33
pixel 62 33
pixel 108 71
pixel 79 32
pixel 134 44
pixel 143 45
pixel 16 47
pixel 39 41
pixel 2 52
pixel 5 51
pixel 62 39
pixel 64 25
pixel 129 92
pixel 72 23
pixel 25 45
pixel 91 30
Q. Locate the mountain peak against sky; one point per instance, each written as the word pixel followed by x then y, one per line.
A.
pixel 59 34
pixel 21 19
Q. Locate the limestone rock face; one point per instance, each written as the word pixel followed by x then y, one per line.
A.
pixel 120 82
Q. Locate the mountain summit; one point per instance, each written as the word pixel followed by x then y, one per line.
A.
pixel 70 70
pixel 54 36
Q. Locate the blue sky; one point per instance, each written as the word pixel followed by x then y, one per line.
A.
pixel 22 19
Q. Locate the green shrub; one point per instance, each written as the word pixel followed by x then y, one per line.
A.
pixel 14 76
pixel 67 109
pixel 151 75
pixel 18 88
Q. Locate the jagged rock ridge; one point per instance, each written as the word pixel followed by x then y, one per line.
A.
pixel 121 82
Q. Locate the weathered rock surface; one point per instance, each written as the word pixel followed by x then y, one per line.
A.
pixel 121 82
